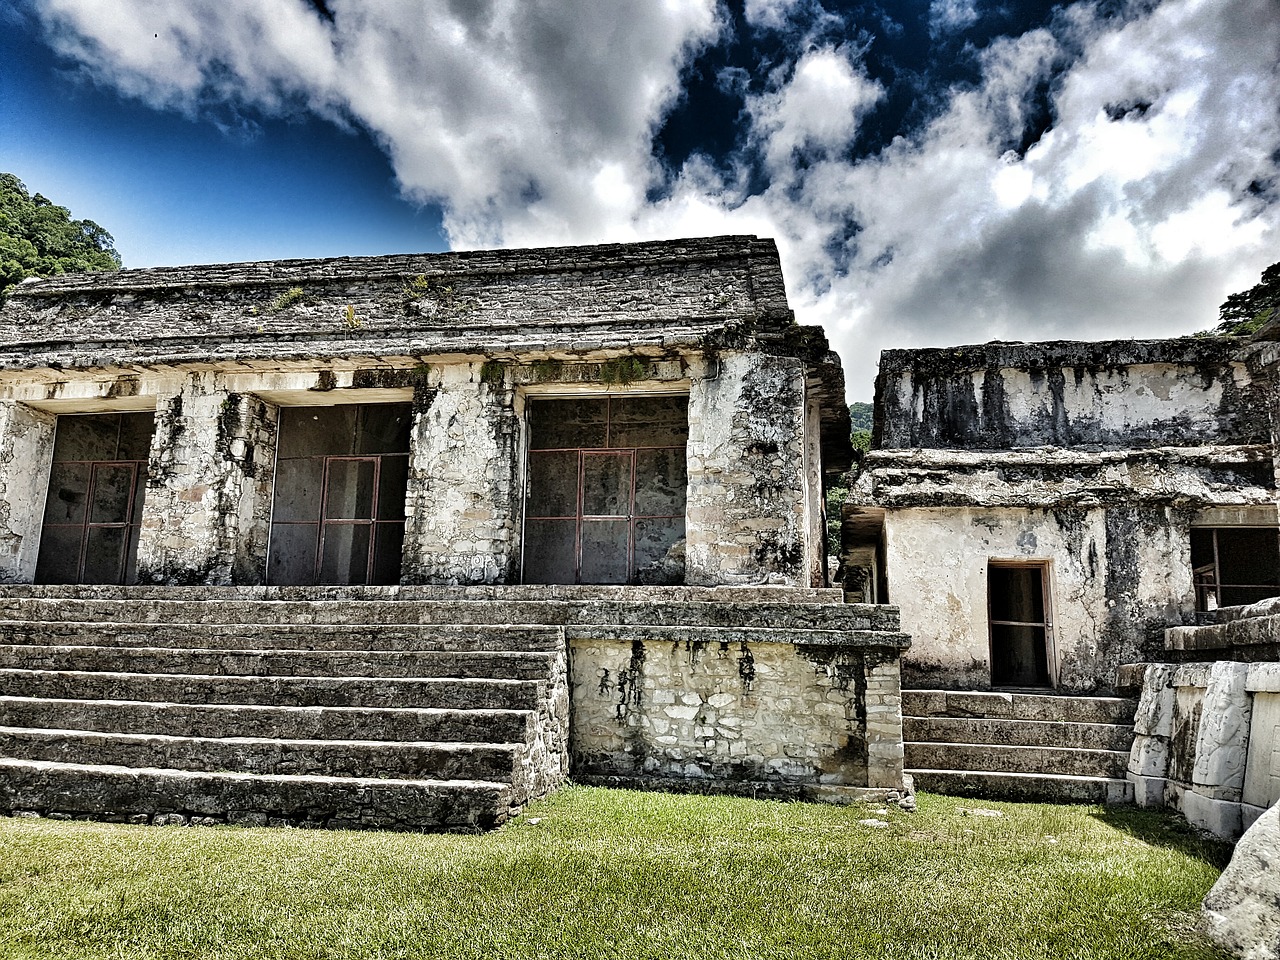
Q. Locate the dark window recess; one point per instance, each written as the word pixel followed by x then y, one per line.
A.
pixel 338 514
pixel 1020 625
pixel 93 511
pixel 1234 566
pixel 606 495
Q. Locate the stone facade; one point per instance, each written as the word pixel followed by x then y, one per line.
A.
pixel 1094 465
pixel 436 365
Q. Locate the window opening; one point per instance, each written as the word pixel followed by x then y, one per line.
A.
pixel 338 510
pixel 1020 624
pixel 93 509
pixel 606 490
pixel 1234 566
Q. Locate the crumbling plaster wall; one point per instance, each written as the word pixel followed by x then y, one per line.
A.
pixel 26 452
pixel 748 507
pixel 724 712
pixel 463 499
pixel 1109 394
pixel 206 515
pixel 1117 577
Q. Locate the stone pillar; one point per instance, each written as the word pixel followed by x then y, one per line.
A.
pixel 206 516
pixel 885 750
pixel 463 493
pixel 1152 729
pixel 1222 743
pixel 746 519
pixel 26 452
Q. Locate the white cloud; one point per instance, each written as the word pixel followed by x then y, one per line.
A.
pixel 532 121
pixel 948 16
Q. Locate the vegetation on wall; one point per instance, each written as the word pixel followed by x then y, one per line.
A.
pixel 40 239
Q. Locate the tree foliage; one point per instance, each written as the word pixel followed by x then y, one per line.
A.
pixel 1250 310
pixel 38 238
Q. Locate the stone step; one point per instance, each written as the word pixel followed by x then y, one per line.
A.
pixel 289 723
pixel 997 758
pixel 117 793
pixel 1023 786
pixel 488 612
pixel 338 636
pixel 478 664
pixel 996 704
pixel 1029 733
pixel 260 755
pixel 444 693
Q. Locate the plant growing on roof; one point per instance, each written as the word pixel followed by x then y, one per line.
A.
pixel 291 297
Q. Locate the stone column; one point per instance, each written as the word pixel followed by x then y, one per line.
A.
pixel 26 452
pixel 463 493
pixel 885 750
pixel 206 516
pixel 746 519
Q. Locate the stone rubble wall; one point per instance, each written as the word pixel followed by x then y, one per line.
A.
pixel 820 719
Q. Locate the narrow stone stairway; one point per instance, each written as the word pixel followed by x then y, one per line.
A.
pixel 1019 745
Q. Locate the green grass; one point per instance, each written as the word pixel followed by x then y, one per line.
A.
pixel 603 873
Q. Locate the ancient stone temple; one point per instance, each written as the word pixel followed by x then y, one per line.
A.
pixel 1051 518
pixel 405 541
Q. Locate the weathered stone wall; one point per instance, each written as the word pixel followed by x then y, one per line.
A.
pixel 462 506
pixel 1118 394
pixel 822 720
pixel 1117 577
pixel 206 515
pixel 26 452
pixel 1208 733
pixel 747 500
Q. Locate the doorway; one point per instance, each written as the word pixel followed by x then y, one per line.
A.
pixel 1021 628
pixel 606 490
pixel 93 509
pixel 338 509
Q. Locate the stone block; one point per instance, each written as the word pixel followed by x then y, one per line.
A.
pixel 1222 739
pixel 1149 757
pixel 1222 818
pixel 1242 911
pixel 1154 715
pixel 1149 792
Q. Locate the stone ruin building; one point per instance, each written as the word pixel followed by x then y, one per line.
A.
pixel 405 541
pixel 1091 519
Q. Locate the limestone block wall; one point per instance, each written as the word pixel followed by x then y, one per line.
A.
pixel 208 502
pixel 26 451
pixel 822 721
pixel 463 499
pixel 1117 577
pixel 749 508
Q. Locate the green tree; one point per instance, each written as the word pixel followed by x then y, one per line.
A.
pixel 1250 310
pixel 39 238
pixel 861 415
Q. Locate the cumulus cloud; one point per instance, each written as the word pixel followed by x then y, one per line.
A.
pixel 1152 193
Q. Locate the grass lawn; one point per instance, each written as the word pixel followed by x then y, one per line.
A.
pixel 607 873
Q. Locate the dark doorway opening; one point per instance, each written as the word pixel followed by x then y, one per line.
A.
pixel 338 511
pixel 1021 625
pixel 93 511
pixel 1234 566
pixel 606 490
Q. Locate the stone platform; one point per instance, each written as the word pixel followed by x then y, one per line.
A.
pixel 432 707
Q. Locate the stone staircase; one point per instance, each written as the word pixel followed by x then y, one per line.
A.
pixel 1019 745
pixel 337 708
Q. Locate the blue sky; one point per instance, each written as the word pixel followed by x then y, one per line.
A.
pixel 934 171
